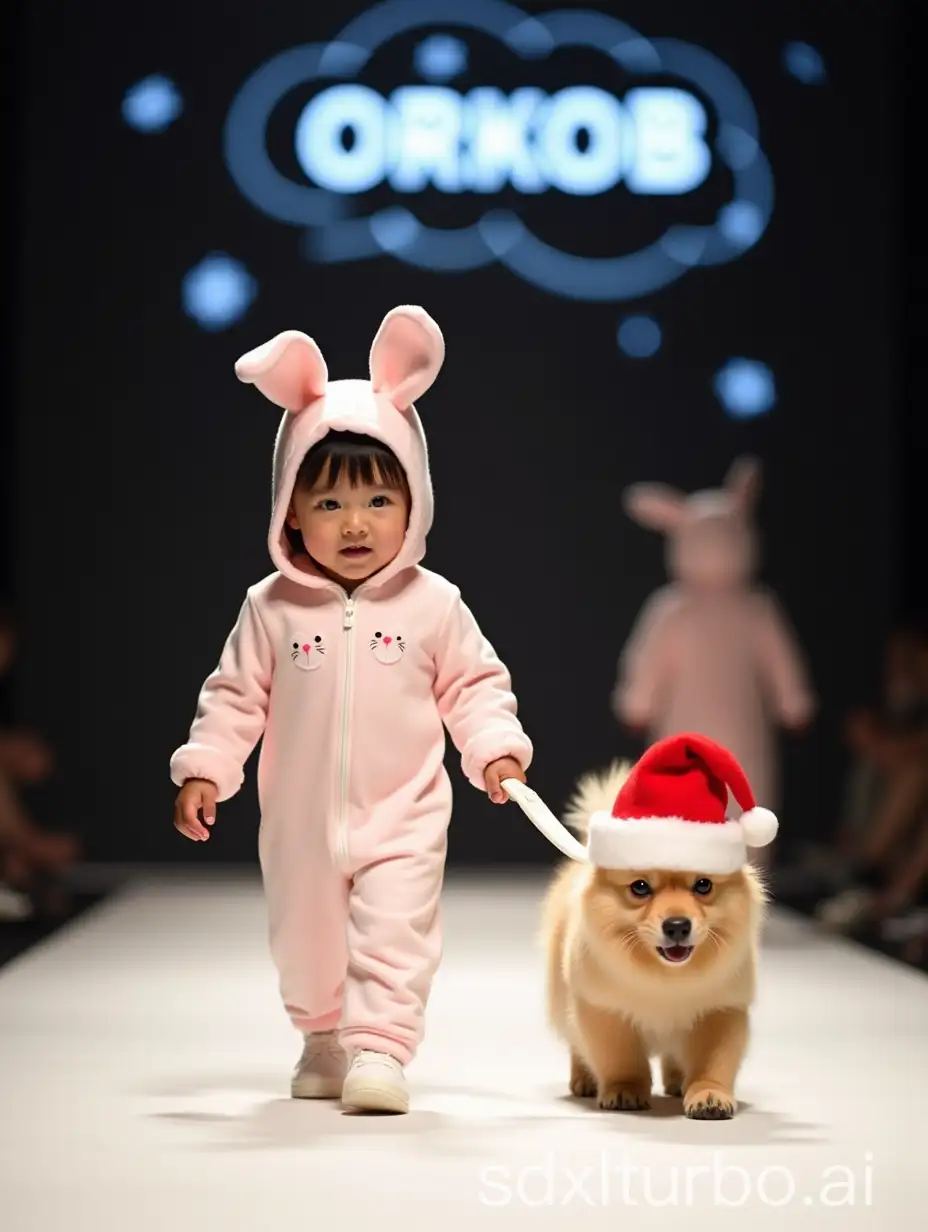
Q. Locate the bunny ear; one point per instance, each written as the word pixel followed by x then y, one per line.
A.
pixel 289 370
pixel 654 505
pixel 406 355
pixel 743 481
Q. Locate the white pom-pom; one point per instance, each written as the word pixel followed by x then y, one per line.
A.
pixel 759 827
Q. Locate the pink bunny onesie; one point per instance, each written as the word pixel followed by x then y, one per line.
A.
pixel 350 695
pixel 711 652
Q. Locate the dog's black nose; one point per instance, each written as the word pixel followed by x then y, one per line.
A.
pixel 677 929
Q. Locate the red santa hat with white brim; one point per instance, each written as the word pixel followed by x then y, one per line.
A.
pixel 670 812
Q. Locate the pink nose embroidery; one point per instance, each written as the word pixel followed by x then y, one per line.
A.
pixel 306 648
pixel 387 641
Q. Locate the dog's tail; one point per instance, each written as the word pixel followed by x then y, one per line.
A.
pixel 595 793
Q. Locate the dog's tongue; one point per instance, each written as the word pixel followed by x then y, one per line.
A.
pixel 676 953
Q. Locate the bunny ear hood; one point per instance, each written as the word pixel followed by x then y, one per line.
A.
pixel 406 356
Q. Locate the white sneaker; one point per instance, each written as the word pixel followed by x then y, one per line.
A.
pixel 375 1083
pixel 321 1069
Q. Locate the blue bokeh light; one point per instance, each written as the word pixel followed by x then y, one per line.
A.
pixel 805 63
pixel 152 105
pixel 440 58
pixel 639 337
pixel 741 222
pixel 745 388
pixel 218 291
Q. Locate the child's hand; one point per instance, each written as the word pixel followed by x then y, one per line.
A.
pixel 195 794
pixel 496 771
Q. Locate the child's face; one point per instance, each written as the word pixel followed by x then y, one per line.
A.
pixel 352 532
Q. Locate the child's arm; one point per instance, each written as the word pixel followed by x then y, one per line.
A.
pixel 231 709
pixel 646 661
pixel 781 664
pixel 475 699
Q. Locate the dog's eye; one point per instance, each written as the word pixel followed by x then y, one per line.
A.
pixel 702 885
pixel 640 889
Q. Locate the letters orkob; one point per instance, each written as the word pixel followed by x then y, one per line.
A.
pixel 581 140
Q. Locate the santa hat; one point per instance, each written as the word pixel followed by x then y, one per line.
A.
pixel 670 812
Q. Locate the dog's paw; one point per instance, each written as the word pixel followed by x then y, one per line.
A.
pixel 708 1104
pixel 623 1097
pixel 672 1078
pixel 582 1084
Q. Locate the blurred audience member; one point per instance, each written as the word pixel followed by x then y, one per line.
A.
pixel 27 853
pixel 879 863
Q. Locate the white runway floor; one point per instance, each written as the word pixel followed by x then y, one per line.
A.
pixel 145 1061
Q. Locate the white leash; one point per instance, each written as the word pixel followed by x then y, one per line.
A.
pixel 540 815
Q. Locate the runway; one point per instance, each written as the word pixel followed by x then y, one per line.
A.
pixel 145 1062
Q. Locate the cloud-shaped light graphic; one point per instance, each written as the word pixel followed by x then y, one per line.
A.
pixel 500 235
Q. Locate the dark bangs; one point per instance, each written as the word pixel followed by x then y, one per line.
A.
pixel 361 458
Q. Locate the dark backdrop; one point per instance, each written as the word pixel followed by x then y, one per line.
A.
pixel 143 467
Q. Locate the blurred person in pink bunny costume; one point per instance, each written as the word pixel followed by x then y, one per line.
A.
pixel 711 650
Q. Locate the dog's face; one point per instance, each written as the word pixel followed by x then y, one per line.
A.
pixel 672 920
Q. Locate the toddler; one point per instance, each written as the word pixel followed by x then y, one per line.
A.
pixel 347 661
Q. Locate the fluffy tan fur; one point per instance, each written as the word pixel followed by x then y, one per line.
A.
pixel 616 1002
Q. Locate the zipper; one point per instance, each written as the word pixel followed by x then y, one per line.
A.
pixel 341 837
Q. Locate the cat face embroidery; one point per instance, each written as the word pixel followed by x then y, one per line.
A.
pixel 387 648
pixel 308 654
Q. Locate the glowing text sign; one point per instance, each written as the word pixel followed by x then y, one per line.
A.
pixel 645 139
pixel 580 140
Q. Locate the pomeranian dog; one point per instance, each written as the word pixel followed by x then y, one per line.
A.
pixel 650 962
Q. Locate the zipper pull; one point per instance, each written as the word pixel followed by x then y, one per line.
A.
pixel 348 621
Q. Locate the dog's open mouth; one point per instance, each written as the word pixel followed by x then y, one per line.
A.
pixel 675 953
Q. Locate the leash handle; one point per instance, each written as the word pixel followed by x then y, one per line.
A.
pixel 541 816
